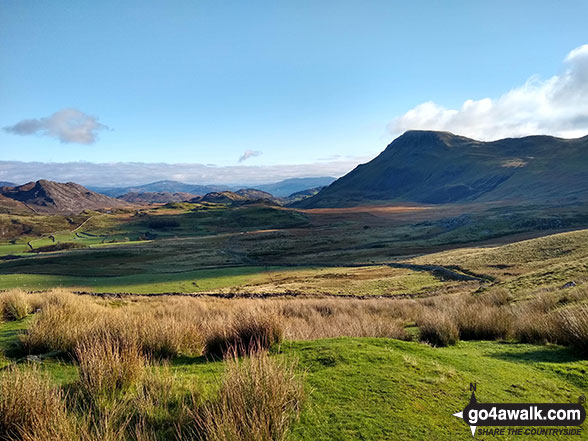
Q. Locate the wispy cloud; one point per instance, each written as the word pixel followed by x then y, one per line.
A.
pixel 555 106
pixel 67 125
pixel 134 173
pixel 249 154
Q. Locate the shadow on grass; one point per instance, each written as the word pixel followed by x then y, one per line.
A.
pixel 542 354
pixel 9 341
pixel 184 360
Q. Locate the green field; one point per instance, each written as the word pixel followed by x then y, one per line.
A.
pixel 383 389
pixel 254 249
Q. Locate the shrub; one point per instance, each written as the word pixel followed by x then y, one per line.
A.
pixel 438 329
pixel 258 400
pixel 15 305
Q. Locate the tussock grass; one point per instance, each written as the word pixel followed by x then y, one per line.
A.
pixel 437 329
pixel 258 400
pixel 66 320
pixel 31 408
pixel 15 304
pixel 243 334
pixel 107 364
pixel 572 327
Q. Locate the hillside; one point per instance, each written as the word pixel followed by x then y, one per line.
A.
pixel 8 205
pixel 440 167
pixel 236 197
pixel 54 197
pixel 150 197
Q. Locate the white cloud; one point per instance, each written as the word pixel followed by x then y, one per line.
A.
pixel 556 106
pixel 249 154
pixel 67 125
pixel 122 174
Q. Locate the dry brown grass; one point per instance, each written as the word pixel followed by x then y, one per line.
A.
pixel 32 408
pixel 258 400
pixel 15 304
pixel 244 333
pixel 65 320
pixel 438 329
pixel 571 327
pixel 107 364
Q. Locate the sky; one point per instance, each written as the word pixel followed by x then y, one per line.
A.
pixel 257 91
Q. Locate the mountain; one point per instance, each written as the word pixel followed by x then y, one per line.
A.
pixel 150 197
pixel 288 186
pixel 6 184
pixel 242 196
pixel 277 189
pixel 54 197
pixel 160 187
pixel 300 195
pixel 440 167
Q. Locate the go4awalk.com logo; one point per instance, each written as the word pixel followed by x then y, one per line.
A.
pixel 493 418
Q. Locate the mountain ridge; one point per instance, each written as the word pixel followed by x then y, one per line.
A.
pixel 54 197
pixel 439 167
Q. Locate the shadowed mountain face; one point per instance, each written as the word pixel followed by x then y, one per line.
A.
pixel 54 197
pixel 439 167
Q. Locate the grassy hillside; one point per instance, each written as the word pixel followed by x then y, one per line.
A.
pixel 439 167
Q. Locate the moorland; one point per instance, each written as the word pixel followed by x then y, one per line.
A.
pixel 249 319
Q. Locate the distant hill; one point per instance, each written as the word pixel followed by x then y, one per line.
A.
pixel 237 197
pixel 160 187
pixel 277 189
pixel 287 187
pixel 54 197
pixel 6 184
pixel 149 197
pixel 301 195
pixel 440 167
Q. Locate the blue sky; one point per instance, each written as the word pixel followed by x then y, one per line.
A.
pixel 323 83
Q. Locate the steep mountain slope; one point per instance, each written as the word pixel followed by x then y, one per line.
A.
pixel 300 195
pixel 289 186
pixel 439 167
pixel 54 197
pixel 150 197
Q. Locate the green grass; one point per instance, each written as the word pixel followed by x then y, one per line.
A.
pixel 379 389
pixel 192 281
pixel 383 389
pixel 363 281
